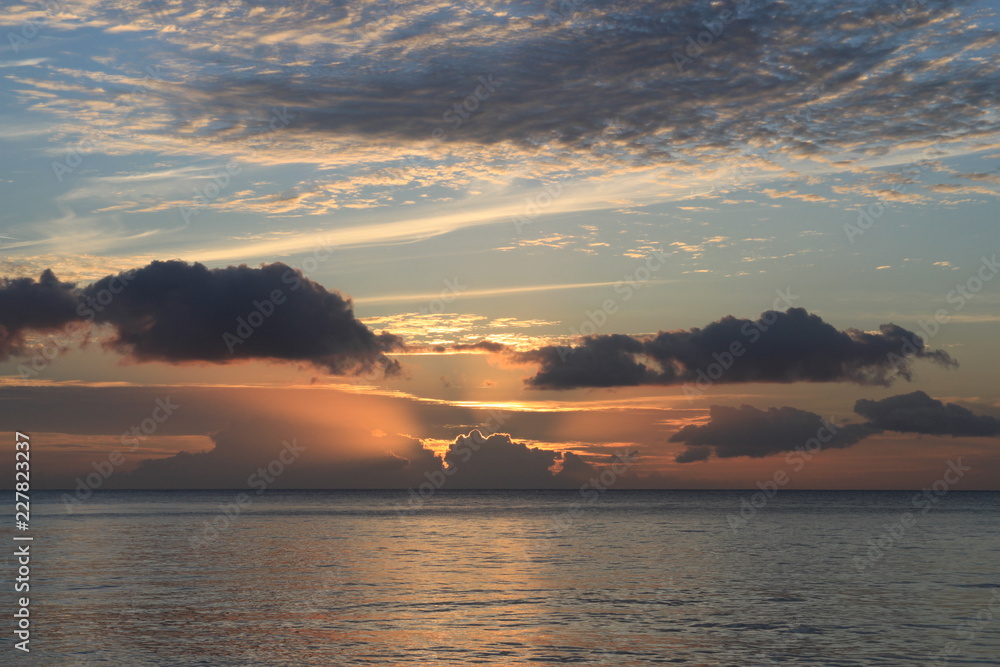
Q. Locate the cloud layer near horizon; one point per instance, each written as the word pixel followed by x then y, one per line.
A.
pixel 325 460
pixel 747 431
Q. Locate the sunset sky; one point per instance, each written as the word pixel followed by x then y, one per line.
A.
pixel 372 227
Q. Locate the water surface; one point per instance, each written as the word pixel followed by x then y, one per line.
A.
pixel 634 578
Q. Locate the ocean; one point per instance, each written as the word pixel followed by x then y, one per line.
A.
pixel 511 578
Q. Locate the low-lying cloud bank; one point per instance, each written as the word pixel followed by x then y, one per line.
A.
pixel 322 460
pixel 747 431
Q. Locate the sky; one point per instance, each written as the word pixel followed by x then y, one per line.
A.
pixel 501 245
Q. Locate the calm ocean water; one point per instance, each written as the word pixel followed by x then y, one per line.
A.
pixel 634 578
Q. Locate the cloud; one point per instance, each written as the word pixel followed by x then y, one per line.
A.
pixel 177 312
pixel 982 177
pixel 747 431
pixel 692 454
pixel 793 194
pixel 602 83
pixel 794 346
pixel 243 428
pixel 919 413
pixel 480 346
pixel 438 329
pixel 173 311
pixel 351 457
pixel 962 189
pixel 27 305
pixel 414 68
pixel 498 462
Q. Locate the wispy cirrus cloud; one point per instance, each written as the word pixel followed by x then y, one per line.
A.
pixel 374 93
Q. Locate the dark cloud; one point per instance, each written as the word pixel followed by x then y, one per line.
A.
pixel 601 361
pixel 497 462
pixel 27 305
pixel 747 431
pixel 575 468
pixel 566 72
pixel 692 454
pixel 794 346
pixel 919 413
pixel 481 346
pixel 175 312
pixel 353 458
pixel 476 461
